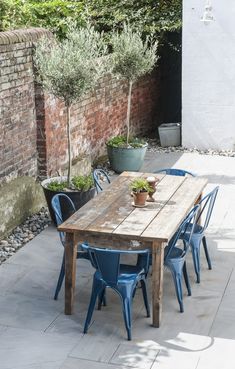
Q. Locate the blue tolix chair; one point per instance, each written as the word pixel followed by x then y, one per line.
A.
pixel 57 202
pixel 122 278
pixel 99 176
pixel 175 172
pixel 198 235
pixel 174 255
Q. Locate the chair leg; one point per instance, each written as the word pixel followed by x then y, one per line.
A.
pixel 206 252
pixel 60 279
pixel 126 295
pixel 97 288
pixel 178 288
pixel 102 299
pixel 145 296
pixel 186 278
pixel 196 262
pixel 179 292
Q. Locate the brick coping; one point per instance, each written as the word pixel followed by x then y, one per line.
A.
pixel 23 35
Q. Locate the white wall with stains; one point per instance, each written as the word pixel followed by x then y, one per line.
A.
pixel 208 75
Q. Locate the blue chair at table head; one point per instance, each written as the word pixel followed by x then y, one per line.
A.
pixel 175 172
pixel 100 176
pixel 57 202
pixel 120 277
pixel 198 236
pixel 174 255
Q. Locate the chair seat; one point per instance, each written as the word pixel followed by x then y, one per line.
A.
pixel 127 273
pixel 176 252
pixel 197 229
pixel 131 269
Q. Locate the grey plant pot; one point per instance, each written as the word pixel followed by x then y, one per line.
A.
pixel 126 159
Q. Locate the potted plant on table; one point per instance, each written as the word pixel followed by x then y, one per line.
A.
pixel 69 69
pixel 140 189
pixel 131 58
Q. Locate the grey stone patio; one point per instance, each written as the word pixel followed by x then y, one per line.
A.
pixel 35 334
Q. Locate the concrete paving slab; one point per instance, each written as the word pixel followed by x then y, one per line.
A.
pixel 21 348
pixel 219 355
pixel 139 355
pixel 30 312
pixel 99 344
pixel 35 333
pixel 72 363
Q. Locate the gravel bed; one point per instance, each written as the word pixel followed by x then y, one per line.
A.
pixel 154 146
pixel 22 234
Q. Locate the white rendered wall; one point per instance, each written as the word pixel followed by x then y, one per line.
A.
pixel 208 82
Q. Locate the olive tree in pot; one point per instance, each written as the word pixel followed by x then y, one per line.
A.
pixel 67 70
pixel 131 59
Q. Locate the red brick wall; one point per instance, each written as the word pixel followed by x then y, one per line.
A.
pixel 18 154
pixel 33 130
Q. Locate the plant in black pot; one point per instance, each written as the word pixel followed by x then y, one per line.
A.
pixel 131 59
pixel 68 69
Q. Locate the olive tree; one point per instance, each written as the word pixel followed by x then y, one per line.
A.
pixel 70 68
pixel 132 58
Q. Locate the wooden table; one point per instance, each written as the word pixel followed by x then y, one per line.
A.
pixel 110 220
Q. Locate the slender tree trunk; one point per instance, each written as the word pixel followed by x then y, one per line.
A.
pixel 68 107
pixel 128 112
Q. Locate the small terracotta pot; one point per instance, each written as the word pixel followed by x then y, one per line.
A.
pixel 140 198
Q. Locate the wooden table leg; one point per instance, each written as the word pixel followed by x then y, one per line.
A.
pixel 70 271
pixel 197 202
pixel 157 281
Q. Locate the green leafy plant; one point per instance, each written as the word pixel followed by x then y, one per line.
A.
pixel 57 186
pixel 120 141
pixel 150 16
pixel 140 185
pixel 83 183
pixel 79 183
pixel 71 68
pixel 132 58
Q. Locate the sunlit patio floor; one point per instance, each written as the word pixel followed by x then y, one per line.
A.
pixel 35 333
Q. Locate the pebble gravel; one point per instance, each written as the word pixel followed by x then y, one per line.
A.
pixel 154 146
pixel 22 234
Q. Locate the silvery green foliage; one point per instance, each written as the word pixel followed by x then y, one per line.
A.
pixel 70 68
pixel 132 57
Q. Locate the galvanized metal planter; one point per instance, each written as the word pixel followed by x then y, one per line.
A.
pixel 126 159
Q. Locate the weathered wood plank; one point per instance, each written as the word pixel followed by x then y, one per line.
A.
pixel 92 209
pixel 139 219
pixel 169 218
pixel 112 241
pixel 118 211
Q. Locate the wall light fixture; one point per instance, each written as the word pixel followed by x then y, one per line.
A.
pixel 208 14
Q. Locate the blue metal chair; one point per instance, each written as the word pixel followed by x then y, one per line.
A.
pixel 174 256
pixel 120 277
pixel 99 176
pixel 57 202
pixel 175 172
pixel 206 206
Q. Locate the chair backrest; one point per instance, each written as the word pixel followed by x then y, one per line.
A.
pixel 58 202
pixel 107 262
pixel 206 205
pixel 187 224
pixel 99 176
pixel 175 172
